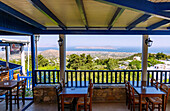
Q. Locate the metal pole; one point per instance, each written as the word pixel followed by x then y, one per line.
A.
pixel 33 60
pixel 28 56
pixel 23 59
pixel 36 53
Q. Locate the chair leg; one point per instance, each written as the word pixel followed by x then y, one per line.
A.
pixel 23 99
pixel 90 107
pixel 129 105
pixel 6 98
pixel 18 101
pixel 146 106
pixel 133 107
pixel 77 107
pixel 159 107
pixel 15 99
pixel 153 106
pixel 126 99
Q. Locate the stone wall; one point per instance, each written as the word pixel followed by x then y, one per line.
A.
pixel 45 93
pixel 101 93
pixel 109 93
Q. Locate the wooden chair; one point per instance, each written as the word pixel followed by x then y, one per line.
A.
pixel 158 100
pixel 154 83
pixel 19 91
pixel 80 101
pixel 127 92
pixel 2 92
pixel 135 100
pixel 67 101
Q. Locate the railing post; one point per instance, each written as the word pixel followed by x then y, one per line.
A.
pixel 33 59
pixel 144 59
pixel 62 48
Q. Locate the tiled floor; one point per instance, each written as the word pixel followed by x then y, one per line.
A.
pixel 53 107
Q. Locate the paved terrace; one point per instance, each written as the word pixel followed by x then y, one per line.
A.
pixel 53 107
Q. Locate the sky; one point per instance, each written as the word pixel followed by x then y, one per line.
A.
pixel 98 40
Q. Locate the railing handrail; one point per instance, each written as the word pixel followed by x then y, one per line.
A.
pixel 102 70
pixel 46 70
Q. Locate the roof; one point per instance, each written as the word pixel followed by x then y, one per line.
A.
pixel 7 42
pixel 90 16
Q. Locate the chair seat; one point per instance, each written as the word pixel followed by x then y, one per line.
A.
pixel 81 101
pixel 137 101
pixel 155 100
pixel 2 92
pixel 67 100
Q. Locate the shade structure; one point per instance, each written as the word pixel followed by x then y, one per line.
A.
pixel 85 16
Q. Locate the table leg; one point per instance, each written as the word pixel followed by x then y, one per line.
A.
pixel 62 103
pixel 140 102
pixel 10 94
pixel 163 102
pixel 85 102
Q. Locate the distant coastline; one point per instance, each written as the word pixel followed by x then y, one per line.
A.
pixel 165 50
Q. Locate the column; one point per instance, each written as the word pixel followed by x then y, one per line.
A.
pixel 33 59
pixel 7 56
pixel 144 59
pixel 62 56
pixel 23 59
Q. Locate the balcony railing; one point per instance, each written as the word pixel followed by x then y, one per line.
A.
pixel 101 76
pixel 47 76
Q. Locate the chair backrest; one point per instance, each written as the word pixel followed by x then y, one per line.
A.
pixel 131 92
pixel 165 89
pixel 154 83
pixel 126 86
pixel 21 85
pixel 91 91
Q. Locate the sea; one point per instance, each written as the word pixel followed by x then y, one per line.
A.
pixel 165 50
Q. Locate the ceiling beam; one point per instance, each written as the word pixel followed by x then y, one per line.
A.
pixel 137 21
pixel 163 6
pixel 80 5
pixel 20 16
pixel 158 24
pixel 115 17
pixel 41 7
pixel 142 6
pixel 15 31
pixel 105 32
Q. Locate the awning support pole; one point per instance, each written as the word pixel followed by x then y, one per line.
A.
pixel 144 60
pixel 62 56
pixel 33 59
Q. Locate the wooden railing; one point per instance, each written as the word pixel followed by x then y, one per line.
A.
pixel 104 76
pixel 101 76
pixel 47 76
pixel 116 76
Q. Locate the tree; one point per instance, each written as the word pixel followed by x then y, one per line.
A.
pixel 152 61
pixel 160 56
pixel 42 62
pixel 112 64
pixel 135 65
pixel 73 61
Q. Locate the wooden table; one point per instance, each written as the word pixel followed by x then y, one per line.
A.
pixel 77 84
pixel 150 92
pixel 138 83
pixel 77 92
pixel 9 85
